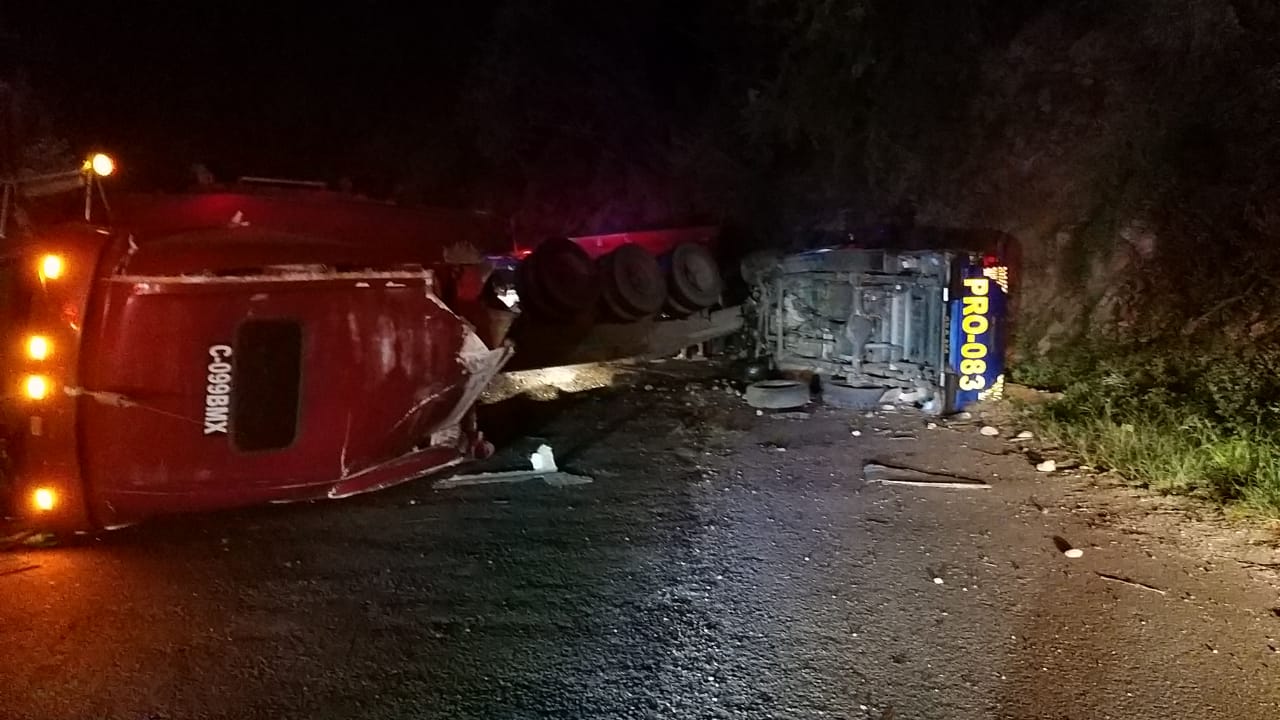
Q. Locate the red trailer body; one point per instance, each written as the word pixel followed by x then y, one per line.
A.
pixel 656 242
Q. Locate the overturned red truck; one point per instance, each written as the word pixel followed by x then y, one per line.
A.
pixel 274 343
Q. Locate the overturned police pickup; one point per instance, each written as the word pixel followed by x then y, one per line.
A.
pixel 921 327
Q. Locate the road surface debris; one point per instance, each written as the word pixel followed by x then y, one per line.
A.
pixel 883 474
pixel 542 465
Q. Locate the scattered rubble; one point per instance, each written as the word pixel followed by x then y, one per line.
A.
pixel 989 431
pixel 1047 466
pixel 1025 435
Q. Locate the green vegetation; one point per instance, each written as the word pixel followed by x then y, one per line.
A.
pixel 1176 418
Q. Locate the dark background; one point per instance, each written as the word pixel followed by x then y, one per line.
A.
pixel 560 114
pixel 567 112
pixel 1126 144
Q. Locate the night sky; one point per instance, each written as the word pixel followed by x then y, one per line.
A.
pixel 266 88
pixel 559 115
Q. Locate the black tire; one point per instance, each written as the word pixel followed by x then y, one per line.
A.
pixel 566 276
pixel 560 280
pixel 632 283
pixel 676 310
pixel 777 394
pixel 615 310
pixel 850 397
pixel 532 300
pixel 693 278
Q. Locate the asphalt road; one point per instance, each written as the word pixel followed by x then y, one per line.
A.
pixel 721 565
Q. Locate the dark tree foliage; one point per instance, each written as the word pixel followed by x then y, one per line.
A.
pixel 858 90
pixel 28 142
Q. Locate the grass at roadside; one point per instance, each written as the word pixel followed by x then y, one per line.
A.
pixel 1178 421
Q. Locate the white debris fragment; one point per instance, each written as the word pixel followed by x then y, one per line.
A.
pixel 931 426
pixel 1047 466
pixel 886 407
pixel 648 388
pixel 965 416
pixel 1025 435
pixel 937 581
pixel 1074 553
pixel 543 460
pixel 759 413
pixel 989 431
pixel 856 433
pixel 911 397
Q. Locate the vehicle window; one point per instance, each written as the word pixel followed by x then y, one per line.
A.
pixel 268 367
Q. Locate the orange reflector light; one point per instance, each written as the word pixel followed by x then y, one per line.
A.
pixel 38 347
pixel 44 499
pixel 102 164
pixel 36 387
pixel 51 267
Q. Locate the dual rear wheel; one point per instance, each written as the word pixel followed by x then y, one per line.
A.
pixel 560 282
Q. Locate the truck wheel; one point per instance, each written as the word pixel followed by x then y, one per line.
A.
pixel 851 397
pixel 633 286
pixel 777 394
pixel 676 310
pixel 532 299
pixel 694 277
pixel 567 275
pixel 559 280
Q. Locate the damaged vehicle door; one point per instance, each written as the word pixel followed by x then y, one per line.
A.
pixel 920 327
